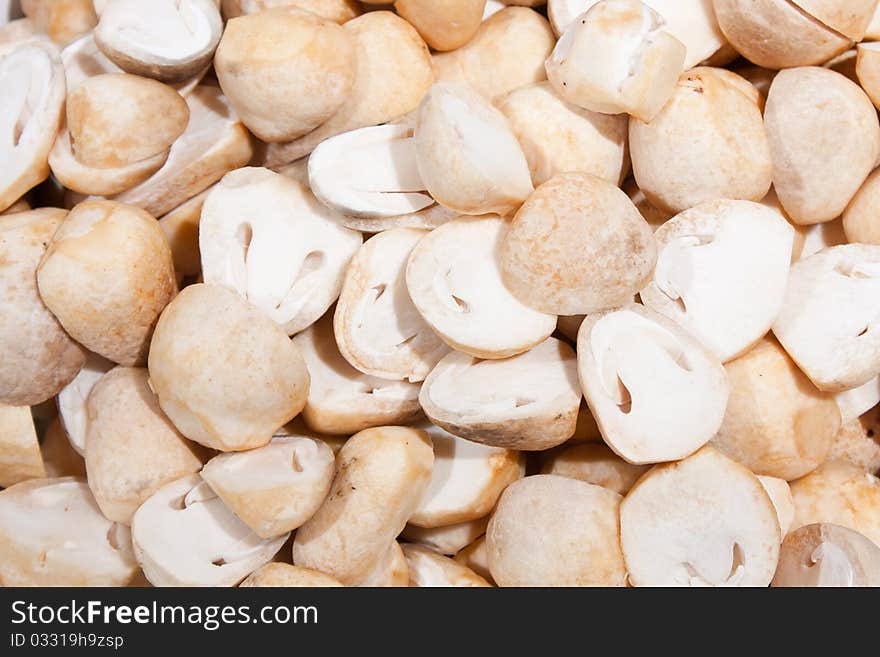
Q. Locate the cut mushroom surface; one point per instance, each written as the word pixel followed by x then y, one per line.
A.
pixel 429 569
pixel 780 494
pixel 656 393
pixel 447 539
pixel 828 555
pixel 858 401
pixel 72 399
pixel 266 237
pixel 184 535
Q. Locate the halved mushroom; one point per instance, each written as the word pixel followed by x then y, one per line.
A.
pixel 454 280
pixel 448 539
pixel 338 11
pixel 555 531
pixel 370 173
pixel 72 399
pixel 780 494
pixel 700 283
pixel 390 571
pixel 169 40
pixel 343 400
pixel 596 464
pixel 20 457
pixel 858 442
pixel 53 534
pixel 32 77
pixel 704 521
pixel 429 569
pixel 39 358
pixel 273 489
pixel 443 25
pixel 858 401
pixel 828 323
pixel 468 157
pixel 827 555
pixel 285 575
pixel 526 402
pixel 62 20
pixel 475 557
pixel 467 480
pixel 377 327
pixel 861 219
pixel 59 457
pixel 184 535
pixel 656 393
pixel 266 237
pixel 617 57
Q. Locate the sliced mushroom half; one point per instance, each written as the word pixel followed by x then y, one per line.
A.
pixel 72 399
pixel 826 555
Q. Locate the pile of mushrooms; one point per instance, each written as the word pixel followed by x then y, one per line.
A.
pixel 313 293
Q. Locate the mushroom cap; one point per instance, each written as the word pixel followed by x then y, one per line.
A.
pixel 454 279
pixel 338 11
pixel 703 521
pixel 106 276
pixel 390 571
pixel 828 319
pixel 858 442
pixel 53 534
pixel 780 494
pixel 447 539
pixel 858 401
pixel 555 531
pixel 722 272
pixel 377 327
pixel 184 535
pixel 595 463
pixel 475 557
pixel 275 488
pixel 525 402
pixel 133 449
pixel 20 457
pixel 430 218
pixel 39 358
pixel 849 17
pixel 285 575
pixel 235 402
pixel 443 25
pixel 62 20
pixel 343 400
pixel 467 480
pixel 827 555
pixel 429 569
pixel 577 245
pixel 860 219
pixel 266 237
pixel 72 399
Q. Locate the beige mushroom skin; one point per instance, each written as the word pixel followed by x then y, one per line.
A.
pixel 391 571
pixel 20 457
pixel 106 276
pixel 62 20
pixel 848 17
pixel 231 403
pixel 429 569
pixel 132 449
pixel 285 575
pixel 39 358
pixel 861 219
pixel 824 554
pixel 447 539
pixel 858 442
pixel 475 557
pixel 595 464
pixel 555 531
pixel 338 11
pixel 381 474
pixel 443 24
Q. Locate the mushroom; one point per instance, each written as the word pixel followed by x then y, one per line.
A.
pixel 468 157
pixel 72 399
pixel 20 457
pixel 276 488
pixel 266 237
pixel 32 77
pixel 704 521
pixel 430 218
pixel 555 531
pixel 858 401
pixel 53 534
pixel 447 539
pixel 811 239
pixel 780 494
pixel 19 29
pixel 62 20
pixel 868 70
pixel 133 449
pixel 848 17
pixel 706 143
pixel 827 555
pixel 285 71
pixel 858 442
pixel 656 393
pixel 429 569
pixel 596 464
pixel 39 358
pixel 557 136
pixel 454 279
pixel 342 400
pixel 467 480
pixel 777 423
pixel 106 276
pixel 338 11
pixel 700 284
pixel 390 571
pixel 827 322
pixel 59 457
pixel 381 474
pixel 594 62
pixel 577 245
pixel 181 228
pixel 169 40
pixel 277 575
pixel 443 25
pixel 860 219
pixel 476 558
pixel 526 402
pixel 824 139
pixel 184 535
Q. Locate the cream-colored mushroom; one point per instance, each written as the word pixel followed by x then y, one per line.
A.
pixel 62 20
pixel 390 571
pixel 596 464
pixel 181 228
pixel 53 534
pixel 381 474
pixel 266 237
pixel 827 322
pixel 448 539
pixel 276 488
pixel 555 531
pixel 593 66
pixel 184 535
pixel 526 402
pixel 429 569
pixel 20 457
pixel 861 219
pixel 430 218
pixel 704 521
pixel 18 29
pixel 60 459
pixel 285 575
pixel 780 494
pixel 72 399
pixel 701 283
pixel 475 557
pixel 777 423
pixel 809 240
pixel 827 555
pixel 848 17
pixel 39 358
pixel 868 70
pixel 443 25
pixel 858 442
pixel 454 279
pixel 577 245
pixel 466 481
pixel 338 11
pixel 656 393
pixel 858 401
